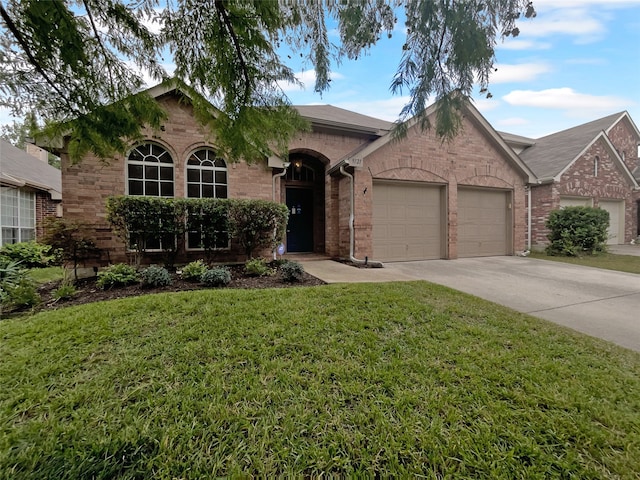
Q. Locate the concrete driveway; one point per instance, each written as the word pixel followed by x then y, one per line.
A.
pixel 601 303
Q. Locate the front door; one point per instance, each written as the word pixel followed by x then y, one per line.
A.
pixel 300 226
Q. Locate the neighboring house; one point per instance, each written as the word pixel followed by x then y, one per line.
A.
pixel 594 164
pixel 417 198
pixel 30 190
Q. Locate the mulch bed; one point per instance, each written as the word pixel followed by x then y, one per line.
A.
pixel 88 292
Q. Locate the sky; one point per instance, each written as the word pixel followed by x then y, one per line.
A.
pixel 577 61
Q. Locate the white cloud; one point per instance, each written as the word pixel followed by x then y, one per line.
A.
pixel 519 44
pixel 522 72
pixel 308 80
pixel 513 121
pixel 566 99
pixel 387 109
pixel 548 4
pixel 486 104
pixel 578 23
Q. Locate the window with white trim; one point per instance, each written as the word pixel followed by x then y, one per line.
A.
pixel 207 178
pixel 206 175
pixel 17 215
pixel 150 171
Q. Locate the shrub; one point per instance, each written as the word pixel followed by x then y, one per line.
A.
pixel 216 277
pixel 577 230
pixel 65 291
pixel 257 223
pixel 30 254
pixel 155 276
pixel 119 274
pixel 71 239
pixel 193 271
pixel 257 267
pixel 291 271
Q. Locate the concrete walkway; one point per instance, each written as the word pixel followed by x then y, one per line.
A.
pixel 624 249
pixel 601 303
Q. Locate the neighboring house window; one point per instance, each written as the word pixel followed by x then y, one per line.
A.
pixel 596 162
pixel 150 171
pixel 207 178
pixel 17 215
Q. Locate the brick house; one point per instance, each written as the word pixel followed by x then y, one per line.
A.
pixel 594 164
pixel 351 190
pixel 30 190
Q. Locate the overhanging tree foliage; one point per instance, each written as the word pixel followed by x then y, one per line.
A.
pixel 77 63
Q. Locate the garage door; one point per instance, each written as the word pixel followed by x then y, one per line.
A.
pixel 407 221
pixel 483 223
pixel 575 202
pixel 616 220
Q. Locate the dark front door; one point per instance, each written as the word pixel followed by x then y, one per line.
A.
pixel 300 226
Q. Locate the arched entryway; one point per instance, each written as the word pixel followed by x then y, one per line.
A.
pixel 304 187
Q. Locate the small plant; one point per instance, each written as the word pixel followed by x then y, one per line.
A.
pixel 291 271
pixel 21 294
pixel 216 277
pixel 257 267
pixel 193 271
pixel 155 276
pixel 66 291
pixel 119 274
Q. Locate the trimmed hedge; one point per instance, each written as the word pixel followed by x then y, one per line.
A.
pixel 253 224
pixel 577 230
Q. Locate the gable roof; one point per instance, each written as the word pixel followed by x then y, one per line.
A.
pixel 551 155
pixel 20 169
pixel 474 115
pixel 332 117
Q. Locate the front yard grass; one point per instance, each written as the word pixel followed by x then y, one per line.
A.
pixel 608 261
pixel 389 380
pixel 48 274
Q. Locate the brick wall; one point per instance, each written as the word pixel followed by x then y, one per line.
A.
pixel 580 180
pixel 87 185
pixel 623 137
pixel 45 207
pixel 471 159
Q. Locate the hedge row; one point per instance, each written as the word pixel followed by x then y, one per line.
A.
pixel 254 224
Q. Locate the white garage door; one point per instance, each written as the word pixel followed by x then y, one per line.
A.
pixel 407 221
pixel 483 223
pixel 575 202
pixel 616 220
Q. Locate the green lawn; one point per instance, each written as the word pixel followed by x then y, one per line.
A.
pixel 397 379
pixel 44 275
pixel 609 261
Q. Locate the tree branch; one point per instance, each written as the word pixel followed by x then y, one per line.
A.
pixel 236 44
pixel 25 47
pixel 102 47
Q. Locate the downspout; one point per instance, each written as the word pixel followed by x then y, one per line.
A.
pixel 529 218
pixel 285 165
pixel 352 238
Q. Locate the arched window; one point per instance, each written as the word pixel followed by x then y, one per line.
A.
pixel 206 175
pixel 206 178
pixel 150 171
pixel 301 172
